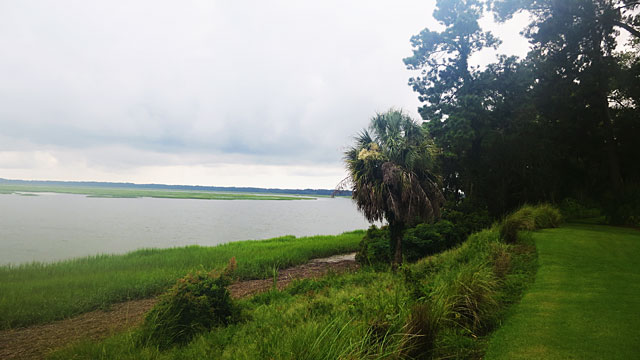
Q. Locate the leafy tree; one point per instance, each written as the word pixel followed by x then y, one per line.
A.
pixel 558 123
pixel 453 93
pixel 574 43
pixel 391 175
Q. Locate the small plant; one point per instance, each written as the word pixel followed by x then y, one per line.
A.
pixel 421 330
pixel 196 303
pixel 472 296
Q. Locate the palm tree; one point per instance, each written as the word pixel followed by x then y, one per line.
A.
pixel 390 175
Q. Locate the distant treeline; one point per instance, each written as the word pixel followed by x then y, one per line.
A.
pixel 325 192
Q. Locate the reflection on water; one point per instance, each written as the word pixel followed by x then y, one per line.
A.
pixel 52 227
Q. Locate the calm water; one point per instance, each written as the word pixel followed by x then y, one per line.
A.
pixel 51 227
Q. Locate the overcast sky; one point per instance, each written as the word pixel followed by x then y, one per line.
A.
pixel 223 93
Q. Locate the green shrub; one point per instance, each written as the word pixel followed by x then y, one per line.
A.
pixel 572 209
pixel 546 216
pixel 467 220
pixel 196 303
pixel 375 247
pixel 529 218
pixel 422 240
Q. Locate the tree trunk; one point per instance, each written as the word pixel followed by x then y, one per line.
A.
pixel 396 231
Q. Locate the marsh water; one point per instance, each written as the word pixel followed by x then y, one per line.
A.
pixel 51 226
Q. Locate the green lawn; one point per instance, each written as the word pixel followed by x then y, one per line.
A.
pixel 585 301
pixel 105 192
pixel 38 293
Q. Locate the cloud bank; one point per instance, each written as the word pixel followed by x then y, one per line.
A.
pixel 227 93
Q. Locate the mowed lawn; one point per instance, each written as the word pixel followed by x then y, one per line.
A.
pixel 585 302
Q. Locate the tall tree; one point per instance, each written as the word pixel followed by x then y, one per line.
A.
pixel 556 124
pixel 391 175
pixel 574 41
pixel 453 101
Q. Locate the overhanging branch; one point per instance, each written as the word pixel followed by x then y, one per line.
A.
pixel 627 27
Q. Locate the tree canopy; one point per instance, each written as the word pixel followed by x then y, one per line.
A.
pixel 559 123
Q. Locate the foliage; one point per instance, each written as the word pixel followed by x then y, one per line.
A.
pixel 391 175
pixel 423 239
pixel 573 209
pixel 442 310
pixel 559 123
pixel 467 219
pixel 39 293
pixel 196 303
pixel 374 247
pixel 428 239
pixel 529 218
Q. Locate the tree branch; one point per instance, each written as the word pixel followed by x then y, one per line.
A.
pixel 627 27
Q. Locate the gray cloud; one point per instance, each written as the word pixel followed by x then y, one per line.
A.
pixel 198 83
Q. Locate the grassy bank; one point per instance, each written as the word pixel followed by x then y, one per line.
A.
pixel 105 192
pixel 439 306
pixel 39 293
pixel 584 302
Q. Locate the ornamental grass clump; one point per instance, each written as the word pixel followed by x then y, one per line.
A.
pixel 197 303
pixel 529 218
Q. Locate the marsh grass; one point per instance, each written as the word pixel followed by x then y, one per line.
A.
pixel 39 293
pixel 443 306
pixel 106 192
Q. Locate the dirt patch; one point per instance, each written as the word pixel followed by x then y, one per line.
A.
pixel 35 342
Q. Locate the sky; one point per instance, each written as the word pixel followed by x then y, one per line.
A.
pixel 217 93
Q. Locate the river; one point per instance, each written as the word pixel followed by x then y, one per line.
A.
pixel 50 226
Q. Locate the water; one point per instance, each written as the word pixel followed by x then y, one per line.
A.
pixel 51 227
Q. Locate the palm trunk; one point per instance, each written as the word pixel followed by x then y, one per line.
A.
pixel 396 231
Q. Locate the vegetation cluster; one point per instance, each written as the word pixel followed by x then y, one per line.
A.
pixel 39 293
pixel 562 122
pixel 444 305
pixel 423 239
pixel 196 303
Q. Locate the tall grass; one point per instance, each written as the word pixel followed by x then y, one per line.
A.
pixel 529 218
pixel 38 293
pixel 436 308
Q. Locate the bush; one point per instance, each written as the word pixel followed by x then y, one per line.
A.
pixel 196 303
pixel 546 216
pixel 421 241
pixel 572 209
pixel 529 218
pixel 374 247
pixel 424 239
pixel 467 220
